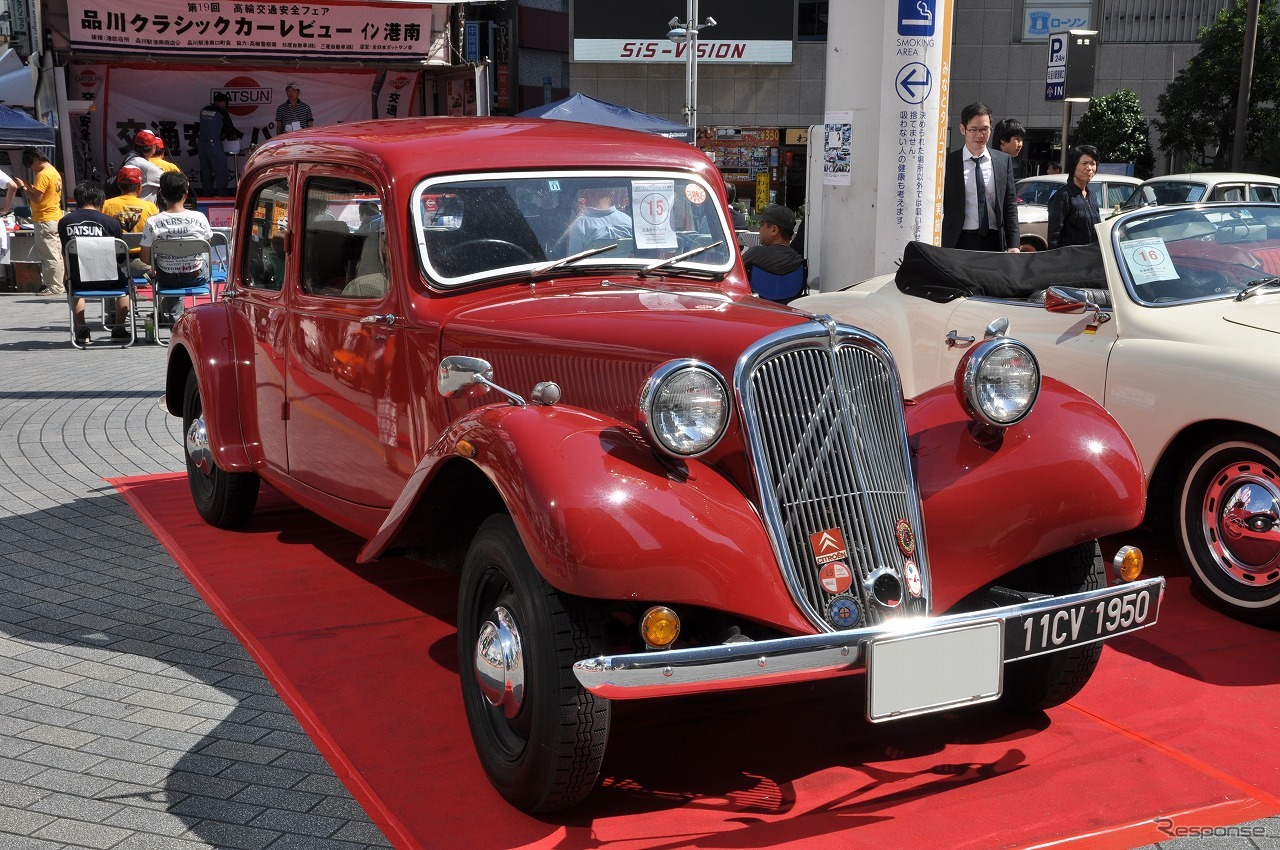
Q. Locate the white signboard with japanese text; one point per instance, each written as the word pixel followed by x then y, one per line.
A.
pixel 651 205
pixel 221 28
pixel 1042 19
pixel 913 124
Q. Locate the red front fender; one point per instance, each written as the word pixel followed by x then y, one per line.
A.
pixel 1064 475
pixel 602 517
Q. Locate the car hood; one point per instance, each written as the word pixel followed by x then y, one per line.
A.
pixel 599 344
pixel 1261 312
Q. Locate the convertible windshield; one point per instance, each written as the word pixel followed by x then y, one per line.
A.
pixel 479 226
pixel 1193 254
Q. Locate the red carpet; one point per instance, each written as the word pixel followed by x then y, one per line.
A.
pixel 1179 723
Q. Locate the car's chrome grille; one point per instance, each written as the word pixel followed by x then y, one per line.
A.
pixel 829 444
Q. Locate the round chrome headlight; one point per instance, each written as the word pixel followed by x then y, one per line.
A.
pixel 998 382
pixel 685 407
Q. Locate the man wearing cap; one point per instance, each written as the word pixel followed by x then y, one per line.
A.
pixel 774 254
pixel 130 210
pixel 215 128
pixel 143 157
pixel 293 114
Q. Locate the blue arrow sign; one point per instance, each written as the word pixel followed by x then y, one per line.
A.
pixel 914 83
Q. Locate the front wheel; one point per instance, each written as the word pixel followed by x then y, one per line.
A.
pixel 1034 684
pixel 540 736
pixel 1229 525
pixel 223 499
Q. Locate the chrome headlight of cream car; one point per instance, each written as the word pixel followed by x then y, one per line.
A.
pixel 685 407
pixel 998 382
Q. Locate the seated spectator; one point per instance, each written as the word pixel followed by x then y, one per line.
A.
pixel 600 220
pixel 88 220
pixel 774 254
pixel 176 222
pixel 131 210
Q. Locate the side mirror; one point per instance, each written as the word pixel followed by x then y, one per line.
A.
pixel 464 376
pixel 1069 299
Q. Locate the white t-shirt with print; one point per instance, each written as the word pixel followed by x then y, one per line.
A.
pixel 188 224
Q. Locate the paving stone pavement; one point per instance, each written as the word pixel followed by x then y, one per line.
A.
pixel 130 719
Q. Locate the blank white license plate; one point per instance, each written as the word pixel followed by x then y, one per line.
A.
pixel 915 674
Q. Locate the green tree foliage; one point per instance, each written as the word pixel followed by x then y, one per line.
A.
pixel 1197 111
pixel 1114 125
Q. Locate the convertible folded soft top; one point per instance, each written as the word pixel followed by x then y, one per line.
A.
pixel 945 274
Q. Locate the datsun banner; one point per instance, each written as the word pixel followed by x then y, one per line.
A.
pixel 366 30
pixel 127 104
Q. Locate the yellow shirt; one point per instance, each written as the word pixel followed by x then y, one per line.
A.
pixel 49 207
pixel 163 164
pixel 131 211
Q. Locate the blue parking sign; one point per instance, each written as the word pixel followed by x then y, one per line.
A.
pixel 916 17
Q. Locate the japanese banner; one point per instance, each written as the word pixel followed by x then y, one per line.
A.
pixel 398 95
pixel 125 104
pixel 221 28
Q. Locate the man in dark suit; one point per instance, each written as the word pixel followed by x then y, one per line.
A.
pixel 978 201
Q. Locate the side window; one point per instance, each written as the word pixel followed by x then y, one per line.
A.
pixel 1263 193
pixel 344 252
pixel 1229 193
pixel 263 261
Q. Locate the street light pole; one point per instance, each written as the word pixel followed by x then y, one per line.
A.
pixel 686 33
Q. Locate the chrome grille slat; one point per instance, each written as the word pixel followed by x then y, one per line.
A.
pixel 825 425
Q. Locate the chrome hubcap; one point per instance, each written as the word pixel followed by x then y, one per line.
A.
pixel 499 662
pixel 1240 519
pixel 198 446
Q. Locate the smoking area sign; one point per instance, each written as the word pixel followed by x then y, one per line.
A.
pixel 1056 72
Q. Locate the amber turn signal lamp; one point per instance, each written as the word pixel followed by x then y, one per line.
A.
pixel 659 627
pixel 1128 563
pixel 465 449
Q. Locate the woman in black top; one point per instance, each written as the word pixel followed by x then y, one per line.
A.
pixel 1073 211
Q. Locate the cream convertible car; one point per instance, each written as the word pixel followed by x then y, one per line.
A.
pixel 1173 323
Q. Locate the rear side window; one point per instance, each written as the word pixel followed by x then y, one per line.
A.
pixel 263 263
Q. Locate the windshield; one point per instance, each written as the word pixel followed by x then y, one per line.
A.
pixel 474 227
pixel 1194 254
pixel 1167 192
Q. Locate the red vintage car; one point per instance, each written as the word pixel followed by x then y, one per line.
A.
pixel 529 350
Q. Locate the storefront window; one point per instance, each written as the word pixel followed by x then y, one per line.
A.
pixel 812 24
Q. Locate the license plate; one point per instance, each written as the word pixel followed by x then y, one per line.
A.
pixel 915 674
pixel 1125 610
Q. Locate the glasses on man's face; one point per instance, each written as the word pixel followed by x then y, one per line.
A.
pixel 978 131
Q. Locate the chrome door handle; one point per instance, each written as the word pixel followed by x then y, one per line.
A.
pixel 954 339
pixel 379 319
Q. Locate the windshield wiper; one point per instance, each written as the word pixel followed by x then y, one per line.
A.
pixel 1257 286
pixel 650 269
pixel 572 258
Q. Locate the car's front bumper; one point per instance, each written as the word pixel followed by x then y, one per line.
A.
pixel 1031 628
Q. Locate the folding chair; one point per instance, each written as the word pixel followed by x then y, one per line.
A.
pixel 164 287
pixel 101 271
pixel 779 287
pixel 220 255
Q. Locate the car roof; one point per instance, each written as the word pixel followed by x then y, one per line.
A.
pixel 481 144
pixel 1215 177
pixel 1062 178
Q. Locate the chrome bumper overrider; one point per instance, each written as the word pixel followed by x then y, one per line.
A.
pixel 804 658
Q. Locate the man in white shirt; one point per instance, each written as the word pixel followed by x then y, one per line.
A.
pixel 175 221
pixel 978 200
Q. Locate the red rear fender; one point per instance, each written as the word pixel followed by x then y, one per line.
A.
pixel 203 342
